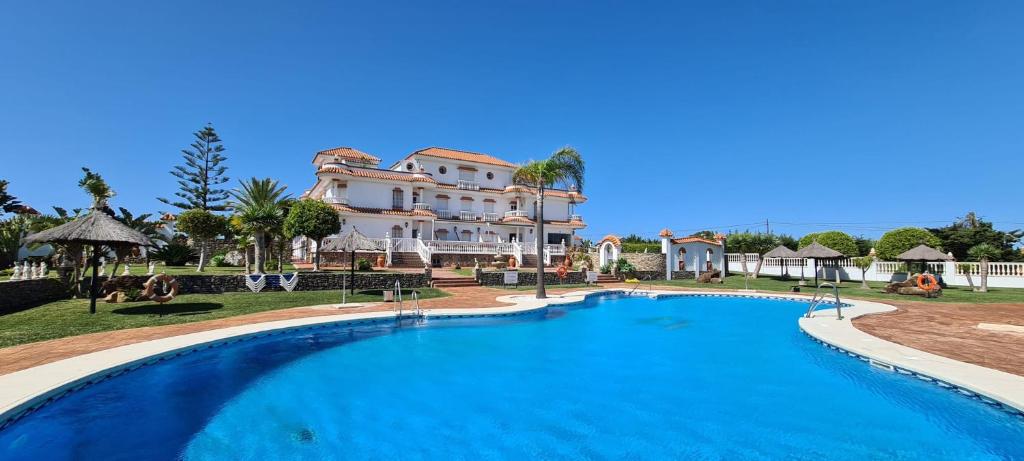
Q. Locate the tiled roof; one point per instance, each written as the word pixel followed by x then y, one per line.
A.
pixel 461 155
pixel 611 238
pixel 665 233
pixel 696 239
pixel 349 153
pixel 520 189
pixel 383 211
pixel 375 173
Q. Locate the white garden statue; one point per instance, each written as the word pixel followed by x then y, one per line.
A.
pixel 44 270
pixel 152 268
pixel 127 270
pixel 103 267
pixel 16 272
pixel 26 271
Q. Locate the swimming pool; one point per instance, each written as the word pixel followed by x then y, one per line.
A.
pixel 614 377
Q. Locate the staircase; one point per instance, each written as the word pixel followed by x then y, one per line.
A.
pixel 453 282
pixel 529 261
pixel 406 260
pixel 604 279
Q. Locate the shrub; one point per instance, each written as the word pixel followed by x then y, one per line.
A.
pixel 363 264
pixel 641 248
pixel 218 261
pixel 624 267
pixel 173 254
pixel 899 240
pixel 836 240
pixel 606 268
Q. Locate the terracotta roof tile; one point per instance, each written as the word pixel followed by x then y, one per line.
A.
pixel 461 155
pixel 375 173
pixel 349 153
pixel 696 239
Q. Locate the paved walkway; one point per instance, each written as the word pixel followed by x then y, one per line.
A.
pixel 943 329
pixel 951 330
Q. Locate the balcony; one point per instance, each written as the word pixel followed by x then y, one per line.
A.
pixel 517 214
pixel 444 214
pixel 467 185
pixel 491 217
pixel 421 206
pixel 576 217
pixel 468 216
pixel 337 200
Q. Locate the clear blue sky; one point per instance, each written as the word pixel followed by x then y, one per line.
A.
pixel 690 116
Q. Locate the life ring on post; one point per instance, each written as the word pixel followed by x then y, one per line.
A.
pixel 562 272
pixel 927 282
pixel 149 288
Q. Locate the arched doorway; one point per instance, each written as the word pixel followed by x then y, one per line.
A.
pixel 707 263
pixel 682 259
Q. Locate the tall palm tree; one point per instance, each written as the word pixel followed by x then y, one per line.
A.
pixel 259 206
pixel 564 167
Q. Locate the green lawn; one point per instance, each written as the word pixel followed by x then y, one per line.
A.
pixel 71 317
pixel 853 290
pixel 141 269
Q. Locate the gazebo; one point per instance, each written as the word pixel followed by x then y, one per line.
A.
pixel 351 243
pixel 922 254
pixel 781 252
pixel 97 229
pixel 817 251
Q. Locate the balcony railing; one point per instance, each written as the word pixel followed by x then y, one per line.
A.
pixel 467 216
pixel 337 200
pixel 421 206
pixel 467 185
pixel 516 214
pixel 491 217
pixel 444 214
pixel 576 217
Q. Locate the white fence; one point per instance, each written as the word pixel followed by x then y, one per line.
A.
pixel 1001 274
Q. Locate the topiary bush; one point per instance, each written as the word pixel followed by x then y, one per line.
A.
pixel 362 264
pixel 836 240
pixel 899 240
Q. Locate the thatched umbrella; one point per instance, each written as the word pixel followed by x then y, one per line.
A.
pixel 817 252
pixel 781 252
pixel 923 254
pixel 354 241
pixel 97 229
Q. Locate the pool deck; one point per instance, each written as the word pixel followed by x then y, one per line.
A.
pixel 48 368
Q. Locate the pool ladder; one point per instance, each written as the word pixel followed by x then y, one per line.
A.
pixel 399 308
pixel 650 285
pixel 820 297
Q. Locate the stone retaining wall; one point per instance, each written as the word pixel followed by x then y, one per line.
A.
pixel 23 294
pixel 646 262
pixel 308 281
pixel 493 279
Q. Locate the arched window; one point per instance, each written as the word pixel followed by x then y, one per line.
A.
pixel 708 263
pixel 682 258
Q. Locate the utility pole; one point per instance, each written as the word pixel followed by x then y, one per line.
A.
pixel 767 229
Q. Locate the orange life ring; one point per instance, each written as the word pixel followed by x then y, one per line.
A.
pixel 932 284
pixel 562 272
pixel 150 288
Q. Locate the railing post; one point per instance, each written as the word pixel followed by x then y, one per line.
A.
pixel 387 248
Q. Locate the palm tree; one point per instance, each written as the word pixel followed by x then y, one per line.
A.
pixel 564 167
pixel 259 206
pixel 140 223
pixel 983 253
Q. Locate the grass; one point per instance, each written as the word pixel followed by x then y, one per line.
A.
pixel 141 269
pixel 854 290
pixel 71 317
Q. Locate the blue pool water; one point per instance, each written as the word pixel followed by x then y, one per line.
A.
pixel 693 378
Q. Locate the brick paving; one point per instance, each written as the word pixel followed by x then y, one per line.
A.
pixel 946 329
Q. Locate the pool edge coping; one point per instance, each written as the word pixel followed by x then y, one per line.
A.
pixel 25 391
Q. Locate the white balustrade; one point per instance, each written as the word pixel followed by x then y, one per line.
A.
pixel 421 206
pixel 576 217
pixel 444 214
pixel 467 185
pixel 337 200
pixel 516 214
pixel 491 217
pixel 424 251
pixel 467 215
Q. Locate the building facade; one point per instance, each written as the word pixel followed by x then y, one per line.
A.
pixel 449 201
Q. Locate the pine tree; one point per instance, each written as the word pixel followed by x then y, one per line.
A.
pixel 8 203
pixel 202 173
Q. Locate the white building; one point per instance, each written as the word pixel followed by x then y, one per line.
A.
pixel 449 201
pixel 691 254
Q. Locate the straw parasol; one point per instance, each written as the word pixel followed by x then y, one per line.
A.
pixel 353 242
pixel 923 254
pixel 97 229
pixel 781 252
pixel 817 251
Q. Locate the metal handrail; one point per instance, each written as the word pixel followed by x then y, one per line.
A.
pixel 650 285
pixel 820 297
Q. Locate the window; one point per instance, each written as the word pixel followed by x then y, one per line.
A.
pixel 467 175
pixel 442 203
pixel 490 175
pixel 415 197
pixel 396 232
pixel 441 169
pixel 555 239
pixel 408 166
pixel 514 206
pixel 488 207
pixel 441 234
pixel 467 204
pixel 397 199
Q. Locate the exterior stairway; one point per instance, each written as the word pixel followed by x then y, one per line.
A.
pixel 406 260
pixel 453 282
pixel 529 261
pixel 603 279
